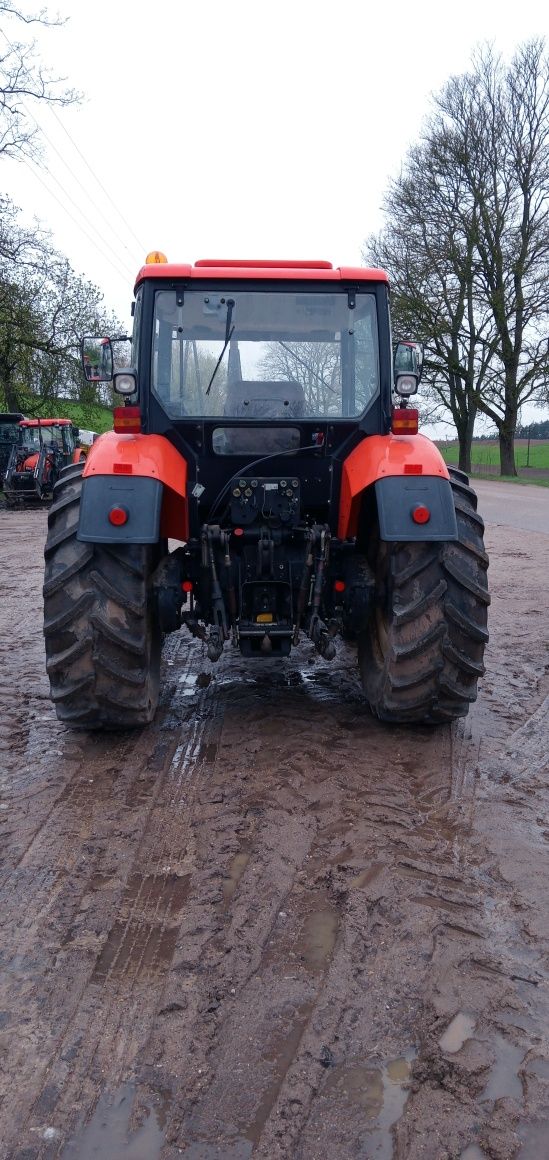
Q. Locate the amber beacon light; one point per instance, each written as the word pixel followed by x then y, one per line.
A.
pixel 155 258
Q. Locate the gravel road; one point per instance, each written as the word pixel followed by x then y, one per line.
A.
pixel 269 926
pixel 523 507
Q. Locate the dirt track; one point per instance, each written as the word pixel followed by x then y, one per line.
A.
pixel 268 925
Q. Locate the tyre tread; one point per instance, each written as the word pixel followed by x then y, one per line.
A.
pixel 425 666
pixel 102 641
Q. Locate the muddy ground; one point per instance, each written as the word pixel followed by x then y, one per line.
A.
pixel 268 925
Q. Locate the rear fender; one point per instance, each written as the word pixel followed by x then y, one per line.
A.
pixel 403 470
pixel 145 475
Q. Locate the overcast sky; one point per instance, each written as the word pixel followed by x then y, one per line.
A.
pixel 236 128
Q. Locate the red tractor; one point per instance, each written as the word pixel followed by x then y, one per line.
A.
pixel 265 426
pixel 43 448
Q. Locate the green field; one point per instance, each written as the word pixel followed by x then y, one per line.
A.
pixel 485 453
pixel 90 418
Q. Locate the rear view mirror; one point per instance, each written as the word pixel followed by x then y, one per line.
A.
pixel 408 365
pixel 97 359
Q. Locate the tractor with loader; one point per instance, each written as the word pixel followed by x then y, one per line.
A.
pixel 265 425
pixel 43 448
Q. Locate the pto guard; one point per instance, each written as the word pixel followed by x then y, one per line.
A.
pixel 145 475
pixel 406 470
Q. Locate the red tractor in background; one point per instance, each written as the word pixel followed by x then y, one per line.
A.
pixel 265 426
pixel 43 448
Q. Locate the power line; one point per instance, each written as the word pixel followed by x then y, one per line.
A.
pixel 96 207
pixel 94 175
pixel 121 261
pixel 42 165
pixel 108 257
pixel 100 183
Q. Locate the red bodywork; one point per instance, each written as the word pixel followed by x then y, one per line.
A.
pixel 151 457
pixel 261 270
pixel 46 423
pixel 377 457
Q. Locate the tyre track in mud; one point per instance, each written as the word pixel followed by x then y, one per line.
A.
pixel 138 904
pixel 248 929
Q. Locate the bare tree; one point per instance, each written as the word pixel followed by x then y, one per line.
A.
pixel 497 118
pixel 315 365
pixel 467 241
pixel 24 81
pixel 428 247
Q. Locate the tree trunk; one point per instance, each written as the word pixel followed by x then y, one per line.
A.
pixel 507 449
pixel 465 429
pixel 8 389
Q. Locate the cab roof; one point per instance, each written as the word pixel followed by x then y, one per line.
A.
pixel 46 423
pixel 261 268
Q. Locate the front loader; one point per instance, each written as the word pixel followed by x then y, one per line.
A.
pixel 265 425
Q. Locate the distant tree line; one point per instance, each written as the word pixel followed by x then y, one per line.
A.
pixel 533 430
pixel 44 305
pixel 466 244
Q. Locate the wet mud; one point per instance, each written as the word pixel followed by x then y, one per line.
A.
pixel 269 926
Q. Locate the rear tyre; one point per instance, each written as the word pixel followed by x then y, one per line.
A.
pixel 103 642
pixel 422 654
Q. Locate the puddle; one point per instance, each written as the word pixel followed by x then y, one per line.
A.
pixel 533 1137
pixel 503 1079
pixel 187 685
pixel 381 1094
pixel 236 870
pixel 398 1071
pixel 107 1134
pixel 514 1019
pixel 358 1085
pixel 458 1031
pixel 473 1152
pixel 318 938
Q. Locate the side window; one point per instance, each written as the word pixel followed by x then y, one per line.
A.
pixel 366 355
pixel 68 438
pixel 136 330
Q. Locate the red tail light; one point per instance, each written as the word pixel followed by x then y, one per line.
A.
pixel 404 421
pixel 421 514
pixel 118 516
pixel 127 420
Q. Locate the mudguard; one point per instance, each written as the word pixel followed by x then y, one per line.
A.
pixel 400 466
pixel 143 474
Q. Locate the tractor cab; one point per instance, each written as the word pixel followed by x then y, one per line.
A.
pixel 54 434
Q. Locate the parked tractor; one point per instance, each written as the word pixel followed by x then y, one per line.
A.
pixel 9 435
pixel 43 448
pixel 266 426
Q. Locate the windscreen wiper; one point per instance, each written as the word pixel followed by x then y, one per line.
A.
pixel 229 331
